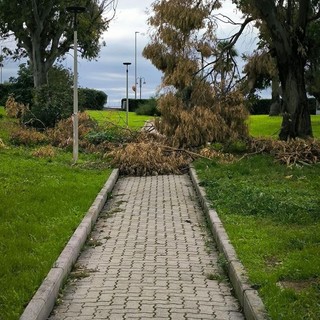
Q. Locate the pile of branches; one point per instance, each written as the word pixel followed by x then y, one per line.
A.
pixel 149 157
pixel 291 152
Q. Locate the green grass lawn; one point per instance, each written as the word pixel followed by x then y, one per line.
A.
pixel 272 216
pixel 41 204
pixel 265 126
pixel 42 201
pixel 119 118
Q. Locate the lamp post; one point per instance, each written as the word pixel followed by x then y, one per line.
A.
pixel 140 84
pixel 127 64
pixel 75 10
pixel 135 63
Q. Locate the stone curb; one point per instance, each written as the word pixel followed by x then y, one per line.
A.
pixel 42 303
pixel 249 299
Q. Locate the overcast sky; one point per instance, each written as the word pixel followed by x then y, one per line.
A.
pixel 108 72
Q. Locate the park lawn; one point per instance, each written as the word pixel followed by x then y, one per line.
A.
pixel 42 201
pixel 272 215
pixel 266 126
pixel 118 118
pixel 41 204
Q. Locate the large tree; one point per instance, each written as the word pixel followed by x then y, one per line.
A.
pixel 43 30
pixel 286 25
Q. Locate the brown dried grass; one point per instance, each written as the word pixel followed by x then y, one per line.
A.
pixel 221 157
pixel 27 137
pixel 44 152
pixel 2 145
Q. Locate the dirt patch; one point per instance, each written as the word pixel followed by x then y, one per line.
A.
pixel 297 285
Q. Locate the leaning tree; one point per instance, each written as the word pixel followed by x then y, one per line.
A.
pixel 43 30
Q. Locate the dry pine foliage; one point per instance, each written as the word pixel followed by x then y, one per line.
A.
pixel 295 151
pixel 149 158
pixel 196 126
pixel 27 136
pixel 62 134
pixel 15 109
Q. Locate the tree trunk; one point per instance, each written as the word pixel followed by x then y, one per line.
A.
pixel 296 116
pixel 288 38
pixel 275 107
pixel 38 65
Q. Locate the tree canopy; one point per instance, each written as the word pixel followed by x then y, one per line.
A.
pixel 43 30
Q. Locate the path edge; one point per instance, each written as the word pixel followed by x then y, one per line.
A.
pixel 248 297
pixel 43 301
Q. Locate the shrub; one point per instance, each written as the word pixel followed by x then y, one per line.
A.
pixel 62 134
pixel 15 109
pixel 22 86
pixel 5 90
pixel 133 103
pixel 92 99
pixel 27 137
pixel 262 106
pixel 148 108
pixel 109 133
pixel 49 106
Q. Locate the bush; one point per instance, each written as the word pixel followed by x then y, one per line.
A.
pixel 5 90
pixel 49 106
pixel 133 104
pixel 109 134
pixel 262 106
pixel 148 108
pixel 22 86
pixel 27 137
pixel 92 99
pixel 14 109
pixel 62 134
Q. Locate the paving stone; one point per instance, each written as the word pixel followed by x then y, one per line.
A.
pixel 153 260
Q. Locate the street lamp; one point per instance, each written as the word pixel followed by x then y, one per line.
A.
pixel 140 83
pixel 135 63
pixel 75 10
pixel 127 64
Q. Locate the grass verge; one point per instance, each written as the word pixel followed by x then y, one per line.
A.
pixel 42 201
pixel 272 216
pixel 266 126
pixel 118 118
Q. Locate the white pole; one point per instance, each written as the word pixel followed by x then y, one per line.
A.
pixel 75 101
pixel 127 98
pixel 135 63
